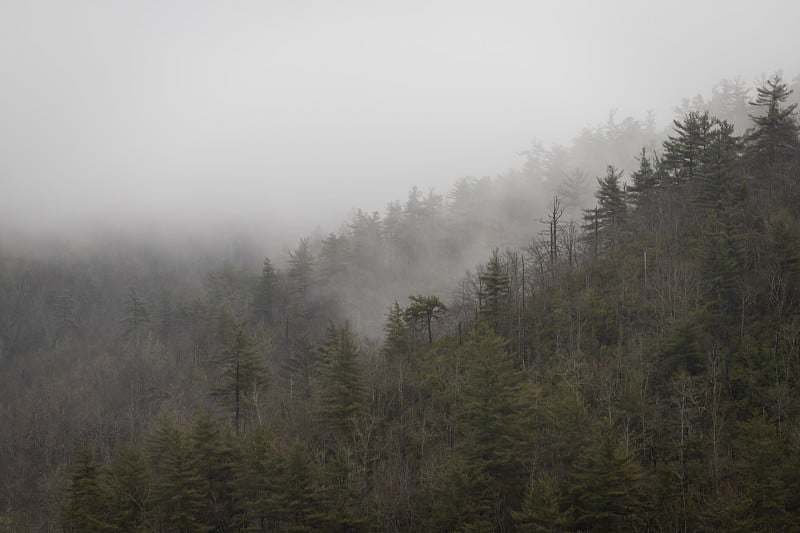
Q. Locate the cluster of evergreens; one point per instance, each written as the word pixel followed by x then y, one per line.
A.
pixel 636 371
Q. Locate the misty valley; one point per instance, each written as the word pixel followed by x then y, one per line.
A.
pixel 606 338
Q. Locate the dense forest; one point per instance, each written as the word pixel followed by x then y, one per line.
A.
pixel 539 351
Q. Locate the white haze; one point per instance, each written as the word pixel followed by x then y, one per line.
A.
pixel 283 116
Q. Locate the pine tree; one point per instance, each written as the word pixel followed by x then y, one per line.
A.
pixel 396 345
pixel 299 491
pixel 495 417
pixel 213 455
pixel 260 483
pixel 342 392
pixel 85 508
pixel 644 182
pixel 244 371
pixel 129 484
pixel 605 220
pixel 266 292
pixel 177 495
pixel 604 491
pixel 683 149
pixel 424 309
pixel 775 137
pixel 493 295
pixel 301 270
pixel 340 494
pixel 720 177
pixel 540 511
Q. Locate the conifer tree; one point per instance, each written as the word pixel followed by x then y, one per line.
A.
pixel 301 270
pixel 424 309
pixel 494 289
pixel 260 483
pixel 342 392
pixel 396 343
pixel 604 491
pixel 299 491
pixel 177 495
pixel 244 369
pixel 129 484
pixel 609 215
pixel 496 419
pixel 213 454
pixel 683 149
pixel 720 176
pixel 266 291
pixel 540 511
pixel 775 137
pixel 85 508
pixel 340 494
pixel 644 183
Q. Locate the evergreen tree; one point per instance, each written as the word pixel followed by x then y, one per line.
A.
pixel 266 292
pixel 775 137
pixel 540 511
pixel 85 508
pixel 683 149
pixel 340 494
pixel 244 371
pixel 301 270
pixel 129 484
pixel 342 392
pixel 605 491
pixel 493 294
pixel 644 183
pixel 177 495
pixel 333 260
pixel 261 481
pixel 424 309
pixel 719 178
pixel 213 455
pixel 606 219
pixel 495 417
pixel 299 491
pixel 396 346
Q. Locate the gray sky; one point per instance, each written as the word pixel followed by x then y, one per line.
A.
pixel 288 114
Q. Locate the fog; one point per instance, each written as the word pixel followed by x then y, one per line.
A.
pixel 285 116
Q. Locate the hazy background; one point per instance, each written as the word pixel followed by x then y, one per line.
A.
pixel 284 116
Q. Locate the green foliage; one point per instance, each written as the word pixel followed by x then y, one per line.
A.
pixel 775 138
pixel 128 483
pixel 540 511
pixel 85 507
pixel 683 149
pixel 494 290
pixel 720 176
pixel 655 392
pixel 299 491
pixel 340 494
pixel 342 393
pixel 495 417
pixel 644 182
pixel 178 492
pixel 260 482
pixel 244 374
pixel 396 344
pixel 424 310
pixel 604 221
pixel 266 292
pixel 605 491
pixel 213 456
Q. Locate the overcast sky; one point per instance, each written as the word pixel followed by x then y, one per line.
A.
pixel 288 114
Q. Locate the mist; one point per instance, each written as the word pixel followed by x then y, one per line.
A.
pixel 279 118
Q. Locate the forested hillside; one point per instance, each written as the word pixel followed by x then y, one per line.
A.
pixel 541 351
